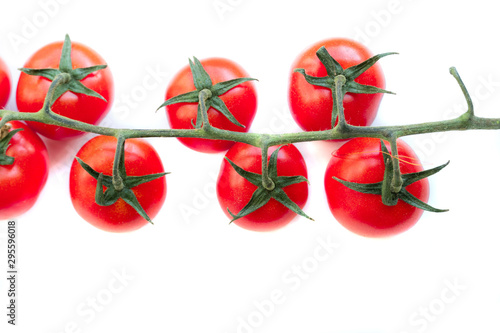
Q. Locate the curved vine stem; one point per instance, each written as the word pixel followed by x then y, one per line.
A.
pixel 338 103
pixel 470 106
pixel 467 121
pixel 120 150
pixel 397 179
pixel 267 182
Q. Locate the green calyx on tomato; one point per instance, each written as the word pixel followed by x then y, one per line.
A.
pixel 202 81
pixel 119 185
pixel 383 188
pixel 334 70
pixel 66 66
pixel 262 195
pixel 5 136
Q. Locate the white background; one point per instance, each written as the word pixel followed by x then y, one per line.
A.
pixel 191 271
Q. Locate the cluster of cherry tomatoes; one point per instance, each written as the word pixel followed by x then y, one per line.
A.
pixel 358 160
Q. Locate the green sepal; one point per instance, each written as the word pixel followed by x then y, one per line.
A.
pixel 4 145
pixel 66 66
pixel 322 81
pixel 367 188
pixel 201 81
pixel 404 195
pixel 279 195
pixel 416 176
pixel 353 72
pixel 129 197
pixel 354 87
pixel 190 97
pixel 111 195
pixel 333 69
pixel 104 198
pixel 224 86
pixel 220 106
pixel 252 177
pixel 48 73
pixel 82 73
pixel 261 196
pixel 332 66
pixel 414 201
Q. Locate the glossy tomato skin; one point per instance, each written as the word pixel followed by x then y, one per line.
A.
pixel 22 182
pixel 241 102
pixel 31 90
pixel 311 106
pixel 140 159
pixel 360 160
pixel 5 84
pixel 234 192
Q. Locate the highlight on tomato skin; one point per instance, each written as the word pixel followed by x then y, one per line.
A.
pixel 234 191
pixel 360 160
pixel 140 159
pixel 5 83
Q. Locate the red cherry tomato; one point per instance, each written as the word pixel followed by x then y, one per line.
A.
pixel 22 181
pixel 4 84
pixel 360 161
pixel 31 90
pixel 140 159
pixel 240 100
pixel 311 106
pixel 234 191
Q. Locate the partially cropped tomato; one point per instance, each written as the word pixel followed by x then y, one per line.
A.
pixel 234 191
pixel 23 180
pixel 311 106
pixel 5 85
pixel 31 89
pixel 241 101
pixel 140 159
pixel 360 160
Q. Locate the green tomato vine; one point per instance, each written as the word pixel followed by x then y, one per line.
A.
pixel 338 80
